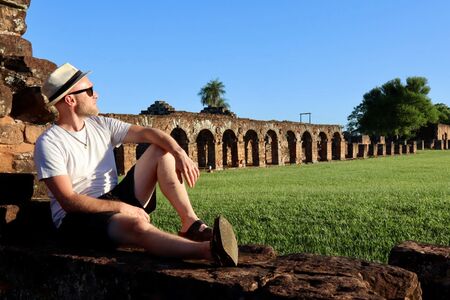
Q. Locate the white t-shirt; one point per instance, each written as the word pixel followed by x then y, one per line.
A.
pixel 86 156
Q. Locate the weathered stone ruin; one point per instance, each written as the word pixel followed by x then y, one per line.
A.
pixel 158 108
pixel 33 264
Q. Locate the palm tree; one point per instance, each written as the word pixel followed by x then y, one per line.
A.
pixel 211 94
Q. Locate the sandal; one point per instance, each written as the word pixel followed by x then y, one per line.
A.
pixel 224 248
pixel 194 233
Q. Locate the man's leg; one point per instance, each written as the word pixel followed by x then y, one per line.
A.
pixel 157 165
pixel 131 231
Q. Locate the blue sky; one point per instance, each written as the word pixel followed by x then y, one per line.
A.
pixel 276 58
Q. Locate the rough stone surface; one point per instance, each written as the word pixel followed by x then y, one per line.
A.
pixel 5 100
pixel 431 263
pixel 19 72
pixel 13 20
pixel 24 4
pixel 43 273
pixel 11 135
pixel 158 108
pixel 11 45
pixel 32 132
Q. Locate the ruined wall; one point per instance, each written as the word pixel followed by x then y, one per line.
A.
pixel 22 107
pixel 222 141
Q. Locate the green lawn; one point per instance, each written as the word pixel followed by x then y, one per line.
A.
pixel 359 208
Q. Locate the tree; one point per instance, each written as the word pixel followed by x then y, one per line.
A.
pixel 394 109
pixel 443 113
pixel 212 94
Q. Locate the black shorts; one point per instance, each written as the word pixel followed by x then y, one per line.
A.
pixel 83 230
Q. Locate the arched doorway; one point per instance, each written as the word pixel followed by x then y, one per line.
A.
pixel 181 137
pixel 292 147
pixel 306 147
pixel 229 149
pixel 251 147
pixel 322 147
pixel 206 150
pixel 271 148
pixel 336 146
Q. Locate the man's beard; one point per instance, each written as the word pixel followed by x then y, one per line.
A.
pixel 86 110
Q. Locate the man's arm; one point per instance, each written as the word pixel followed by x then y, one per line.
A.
pixel 61 188
pixel 184 165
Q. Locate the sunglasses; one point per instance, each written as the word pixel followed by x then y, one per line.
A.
pixel 89 91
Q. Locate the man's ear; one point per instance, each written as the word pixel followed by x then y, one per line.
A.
pixel 70 100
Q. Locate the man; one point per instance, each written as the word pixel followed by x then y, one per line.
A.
pixel 74 158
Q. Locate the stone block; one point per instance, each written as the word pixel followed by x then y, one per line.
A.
pixel 12 45
pixel 125 274
pixel 24 4
pixel 431 263
pixel 6 162
pixel 11 134
pixel 8 213
pixel 7 121
pixel 15 156
pixel 13 20
pixel 19 72
pixel 23 162
pixel 32 132
pixel 5 100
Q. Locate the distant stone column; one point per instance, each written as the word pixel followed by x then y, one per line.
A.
pixel 314 151
pixel 241 151
pixel 413 147
pixel 329 146
pixel 279 154
pixel 398 148
pixel 219 153
pixel 262 152
pixel 298 152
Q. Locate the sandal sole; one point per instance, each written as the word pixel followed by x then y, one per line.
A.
pixel 227 241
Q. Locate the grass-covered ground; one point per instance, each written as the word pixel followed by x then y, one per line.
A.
pixel 359 208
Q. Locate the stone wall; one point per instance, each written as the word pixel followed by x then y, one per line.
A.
pixel 22 108
pixel 222 141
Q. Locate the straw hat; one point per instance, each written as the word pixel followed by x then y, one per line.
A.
pixel 60 82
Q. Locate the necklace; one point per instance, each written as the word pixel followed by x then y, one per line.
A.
pixel 85 143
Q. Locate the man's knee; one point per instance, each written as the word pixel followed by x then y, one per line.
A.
pixel 122 225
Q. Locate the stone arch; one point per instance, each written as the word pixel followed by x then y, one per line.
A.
pixel 206 149
pixel 271 148
pixel 251 141
pixel 181 137
pixel 322 146
pixel 336 146
pixel 229 149
pixel 292 146
pixel 306 147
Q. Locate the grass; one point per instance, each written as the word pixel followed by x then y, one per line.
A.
pixel 358 208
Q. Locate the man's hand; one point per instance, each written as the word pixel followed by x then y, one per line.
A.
pixel 135 212
pixel 186 168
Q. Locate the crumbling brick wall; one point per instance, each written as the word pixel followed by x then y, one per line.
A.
pixel 222 141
